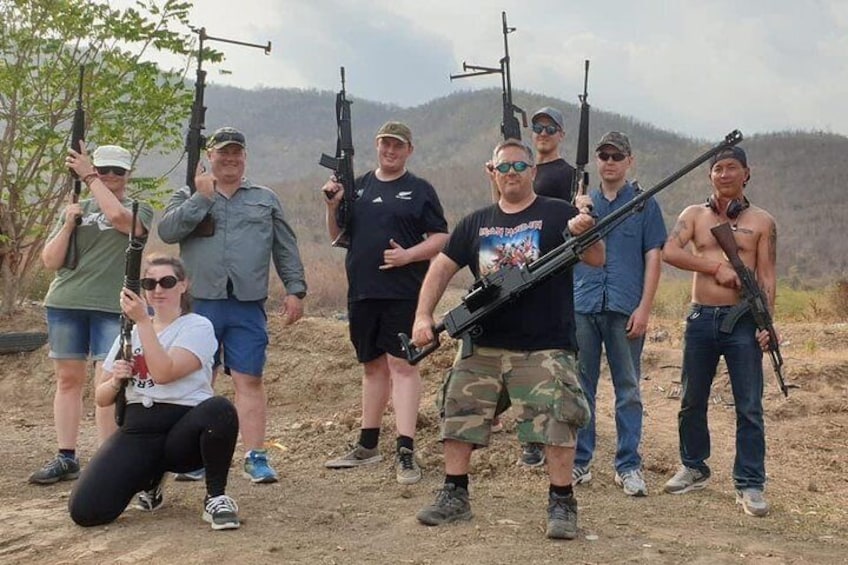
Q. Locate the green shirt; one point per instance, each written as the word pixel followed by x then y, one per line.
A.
pixel 96 282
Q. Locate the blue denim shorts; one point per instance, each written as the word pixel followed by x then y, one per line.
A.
pixel 80 334
pixel 241 330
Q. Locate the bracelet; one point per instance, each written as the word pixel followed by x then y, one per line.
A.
pixel 89 177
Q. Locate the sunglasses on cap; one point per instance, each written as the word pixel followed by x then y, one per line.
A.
pixel 117 171
pixel 549 129
pixel 165 282
pixel 617 157
pixel 226 137
pixel 519 166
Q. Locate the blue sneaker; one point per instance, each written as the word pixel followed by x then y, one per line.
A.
pixel 57 469
pixel 257 468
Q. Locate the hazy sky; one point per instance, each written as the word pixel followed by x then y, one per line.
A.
pixel 697 67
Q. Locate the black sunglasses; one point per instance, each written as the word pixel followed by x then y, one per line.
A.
pixel 519 166
pixel 117 171
pixel 550 130
pixel 617 157
pixel 165 282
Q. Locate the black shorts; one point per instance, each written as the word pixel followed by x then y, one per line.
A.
pixel 375 325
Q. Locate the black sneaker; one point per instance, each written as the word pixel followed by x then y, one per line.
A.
pixel 451 505
pixel 150 499
pixel 562 516
pixel 57 469
pixel 222 512
pixel 532 455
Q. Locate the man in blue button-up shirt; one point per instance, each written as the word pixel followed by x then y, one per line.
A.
pixel 612 305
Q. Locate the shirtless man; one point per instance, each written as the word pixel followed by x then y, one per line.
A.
pixel 715 290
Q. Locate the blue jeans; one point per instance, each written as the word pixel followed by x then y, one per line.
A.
pixel 608 330
pixel 704 344
pixel 80 334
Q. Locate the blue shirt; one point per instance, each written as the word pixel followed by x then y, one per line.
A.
pixel 617 286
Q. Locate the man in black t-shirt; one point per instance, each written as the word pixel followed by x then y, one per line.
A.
pixel 527 347
pixel 396 226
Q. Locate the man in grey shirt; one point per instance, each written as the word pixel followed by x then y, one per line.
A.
pixel 229 274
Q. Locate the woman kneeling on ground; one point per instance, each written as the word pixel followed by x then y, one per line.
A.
pixel 173 421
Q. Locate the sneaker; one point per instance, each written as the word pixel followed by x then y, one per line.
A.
pixel 407 470
pixel 197 475
pixel 356 457
pixel 752 501
pixel 632 482
pixel 497 425
pixel 562 516
pixel 532 455
pixel 257 468
pixel 580 475
pixel 221 511
pixel 451 504
pixel 687 479
pixel 151 499
pixel 57 469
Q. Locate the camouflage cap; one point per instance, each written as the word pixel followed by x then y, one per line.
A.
pixel 617 140
pixel 396 130
pixel 225 136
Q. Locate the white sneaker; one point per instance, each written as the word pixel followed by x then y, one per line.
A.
pixel 632 482
pixel 752 501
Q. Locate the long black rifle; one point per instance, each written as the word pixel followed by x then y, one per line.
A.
pixel 581 175
pixel 495 290
pixel 195 140
pixel 510 126
pixel 342 165
pixel 132 281
pixel 77 135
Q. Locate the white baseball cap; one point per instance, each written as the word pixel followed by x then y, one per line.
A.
pixel 112 156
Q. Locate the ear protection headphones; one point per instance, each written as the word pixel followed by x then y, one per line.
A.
pixel 735 207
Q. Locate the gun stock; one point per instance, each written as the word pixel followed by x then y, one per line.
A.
pixel 581 176
pixel 77 136
pixel 494 291
pixel 754 298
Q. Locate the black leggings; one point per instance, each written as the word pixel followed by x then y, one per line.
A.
pixel 164 437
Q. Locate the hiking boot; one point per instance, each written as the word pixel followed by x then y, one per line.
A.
pixel 687 479
pixel 257 468
pixel 752 502
pixel 562 516
pixel 150 499
pixel 580 475
pixel 59 468
pixel 356 457
pixel 451 504
pixel 221 511
pixel 197 475
pixel 532 455
pixel 407 470
pixel 632 483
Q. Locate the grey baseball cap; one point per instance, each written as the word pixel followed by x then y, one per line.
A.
pixel 554 114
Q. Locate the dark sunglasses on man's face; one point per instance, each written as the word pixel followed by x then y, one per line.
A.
pixel 539 128
pixel 617 157
pixel 165 282
pixel 117 171
pixel 519 166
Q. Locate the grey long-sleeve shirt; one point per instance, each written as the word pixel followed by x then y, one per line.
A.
pixel 250 230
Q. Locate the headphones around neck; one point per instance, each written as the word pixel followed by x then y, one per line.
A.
pixel 734 208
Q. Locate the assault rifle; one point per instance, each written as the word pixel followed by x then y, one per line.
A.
pixel 753 300
pixel 342 165
pixel 581 176
pixel 77 135
pixel 510 126
pixel 495 290
pixel 195 140
pixel 132 281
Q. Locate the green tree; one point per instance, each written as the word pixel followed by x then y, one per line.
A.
pixel 128 100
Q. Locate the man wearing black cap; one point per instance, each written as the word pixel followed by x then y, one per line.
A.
pixel 229 275
pixel 715 291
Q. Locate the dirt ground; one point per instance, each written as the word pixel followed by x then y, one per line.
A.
pixel 315 515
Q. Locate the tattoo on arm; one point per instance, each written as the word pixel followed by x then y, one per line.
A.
pixel 676 233
pixel 772 245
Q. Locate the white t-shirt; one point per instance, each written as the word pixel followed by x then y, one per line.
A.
pixel 191 332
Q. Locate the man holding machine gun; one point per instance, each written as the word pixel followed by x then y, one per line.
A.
pixel 396 226
pixel 83 314
pixel 708 335
pixel 613 304
pixel 527 347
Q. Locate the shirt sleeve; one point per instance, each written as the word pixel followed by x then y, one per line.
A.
pixel 198 337
pixel 182 214
pixel 286 254
pixel 654 234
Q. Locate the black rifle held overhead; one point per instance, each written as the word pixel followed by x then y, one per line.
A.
pixel 495 290
pixel 77 135
pixel 753 300
pixel 195 140
pixel 342 165
pixel 581 176
pixel 510 126
pixel 132 281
